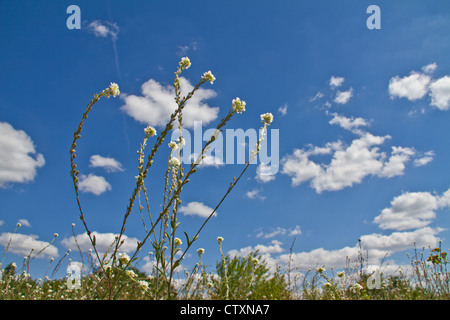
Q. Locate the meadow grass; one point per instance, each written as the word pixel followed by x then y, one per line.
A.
pixel 114 274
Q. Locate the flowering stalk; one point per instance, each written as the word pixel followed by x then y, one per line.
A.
pixel 111 91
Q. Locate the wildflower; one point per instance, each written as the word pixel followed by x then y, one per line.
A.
pixel 267 118
pixel 173 145
pixel 18 224
pixel 357 286
pixel 208 76
pixel 320 270
pixel 124 258
pixel 341 274
pixel 143 284
pixel 174 162
pixel 327 285
pixel 150 131
pixel 185 63
pixel 178 242
pixel 219 239
pixel 131 273
pixel 181 141
pixel 113 90
pixel 255 261
pixel 200 251
pixel 238 105
pixel 56 235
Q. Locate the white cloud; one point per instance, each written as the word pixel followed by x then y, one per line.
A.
pixel 427 158
pixel 350 164
pixel 255 194
pixel 24 222
pixel 196 209
pixel 336 81
pixel 440 93
pixel 411 210
pixel 208 160
pixel 279 231
pixel 395 166
pixel 283 109
pixel 262 249
pixel 109 164
pixel 17 163
pixel 317 96
pixel 103 242
pixel 400 241
pixel 342 97
pixel 22 244
pixel 264 174
pixel 412 87
pixel 351 124
pixel 104 29
pixel 157 103
pixel 93 184
pixel 430 68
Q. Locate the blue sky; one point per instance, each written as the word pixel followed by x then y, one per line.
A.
pixel 362 117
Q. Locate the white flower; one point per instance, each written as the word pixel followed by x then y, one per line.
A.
pixel 238 105
pixel 143 284
pixel 320 270
pixel 174 162
pixel 150 131
pixel 200 250
pixel 327 285
pixel 178 242
pixel 113 90
pixel 131 273
pixel 18 224
pixel 173 145
pixel 357 286
pixel 181 141
pixel 56 235
pixel 185 63
pixel 208 76
pixel 123 257
pixel 219 239
pixel 341 274
pixel 267 118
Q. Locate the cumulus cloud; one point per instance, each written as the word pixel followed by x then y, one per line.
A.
pixel 411 210
pixel 342 97
pixel 109 164
pixel 417 85
pixel 22 244
pixel 195 208
pixel 24 222
pixel 412 87
pixel 440 93
pixel 103 29
pixel 336 81
pixel 275 247
pixel 93 184
pixel 279 231
pixel 264 173
pixel 349 164
pixel 18 158
pixel 156 104
pixel 255 194
pixel 351 124
pixel 103 242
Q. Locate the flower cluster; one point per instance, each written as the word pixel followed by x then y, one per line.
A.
pixel 267 118
pixel 208 76
pixel 150 131
pixel 238 105
pixel 112 90
pixel 174 162
pixel 185 63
